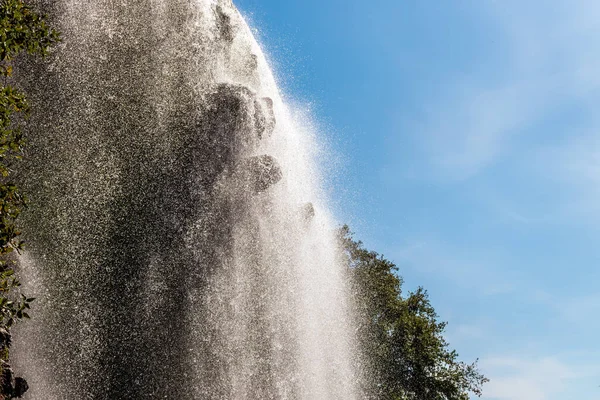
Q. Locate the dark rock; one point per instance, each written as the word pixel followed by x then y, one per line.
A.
pixel 252 62
pixel 233 116
pixel 225 130
pixel 308 211
pixel 264 117
pixel 11 387
pixel 232 99
pixel 21 387
pixel 260 172
pixel 7 381
pixel 5 339
pixel 224 26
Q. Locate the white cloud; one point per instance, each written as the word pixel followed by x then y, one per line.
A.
pixel 572 168
pixel 552 60
pixel 514 378
pixel 462 335
pixel 475 128
pixel 465 267
pixel 579 309
pixel 575 161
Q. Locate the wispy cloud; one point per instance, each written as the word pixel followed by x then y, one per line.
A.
pixel 578 310
pixel 463 268
pixel 570 170
pixel 519 378
pixel 521 140
pixel 462 334
pixel 476 127
pixel 551 62
pixel 513 378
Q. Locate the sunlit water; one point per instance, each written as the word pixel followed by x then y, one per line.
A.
pixel 179 243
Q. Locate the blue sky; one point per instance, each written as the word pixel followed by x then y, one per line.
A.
pixel 468 144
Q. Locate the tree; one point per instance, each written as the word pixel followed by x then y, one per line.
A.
pixel 403 348
pixel 21 30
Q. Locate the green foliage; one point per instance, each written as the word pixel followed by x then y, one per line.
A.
pixel 21 30
pixel 404 350
pixel 12 310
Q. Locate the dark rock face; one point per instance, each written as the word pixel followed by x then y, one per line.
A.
pixel 168 258
pixel 132 177
pixel 10 386
pixel 7 381
pixel 233 123
pixel 5 339
pixel 308 211
pixel 260 172
pixel 225 29
pixel 264 117
pixel 20 387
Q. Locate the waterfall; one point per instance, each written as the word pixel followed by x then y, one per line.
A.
pixel 178 239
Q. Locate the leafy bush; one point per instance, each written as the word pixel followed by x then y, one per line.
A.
pixel 21 30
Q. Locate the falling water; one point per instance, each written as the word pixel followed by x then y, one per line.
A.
pixel 178 241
